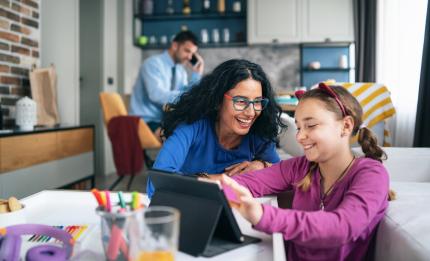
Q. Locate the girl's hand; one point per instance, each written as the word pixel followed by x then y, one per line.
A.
pixel 248 207
pixel 242 167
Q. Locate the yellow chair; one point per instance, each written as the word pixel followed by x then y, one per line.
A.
pixel 113 106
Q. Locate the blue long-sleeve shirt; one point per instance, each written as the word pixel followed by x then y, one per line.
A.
pixel 152 88
pixel 194 148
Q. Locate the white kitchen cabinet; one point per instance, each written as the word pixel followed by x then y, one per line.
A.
pixel 327 19
pixel 273 21
pixel 295 21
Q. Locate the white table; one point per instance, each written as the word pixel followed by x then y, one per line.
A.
pixel 59 207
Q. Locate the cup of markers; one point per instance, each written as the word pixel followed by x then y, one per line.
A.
pixel 116 220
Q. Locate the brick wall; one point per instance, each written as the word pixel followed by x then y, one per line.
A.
pixel 19 50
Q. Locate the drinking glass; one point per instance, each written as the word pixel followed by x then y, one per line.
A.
pixel 157 234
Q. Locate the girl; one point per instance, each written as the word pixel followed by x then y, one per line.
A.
pixel 339 198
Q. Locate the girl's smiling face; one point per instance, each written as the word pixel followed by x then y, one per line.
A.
pixel 318 130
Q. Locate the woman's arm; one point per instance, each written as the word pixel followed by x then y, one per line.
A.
pixel 173 152
pixel 265 156
pixel 175 149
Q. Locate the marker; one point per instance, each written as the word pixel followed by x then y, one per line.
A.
pixel 103 197
pixel 96 194
pixel 121 200
pixel 108 204
pixel 135 203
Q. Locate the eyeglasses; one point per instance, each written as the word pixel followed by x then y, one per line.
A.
pixel 242 103
pixel 331 93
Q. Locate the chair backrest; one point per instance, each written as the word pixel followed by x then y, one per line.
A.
pixel 112 105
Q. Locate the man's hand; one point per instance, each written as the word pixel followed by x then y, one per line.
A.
pixel 200 65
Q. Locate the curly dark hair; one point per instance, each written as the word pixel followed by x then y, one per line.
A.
pixel 206 97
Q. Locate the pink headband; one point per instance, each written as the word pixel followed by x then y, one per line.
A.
pixel 328 90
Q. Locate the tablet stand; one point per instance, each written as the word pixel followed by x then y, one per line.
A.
pixel 201 230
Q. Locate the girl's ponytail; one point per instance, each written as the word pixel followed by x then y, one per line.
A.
pixel 369 145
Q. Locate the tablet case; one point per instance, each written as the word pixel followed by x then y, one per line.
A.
pixel 208 226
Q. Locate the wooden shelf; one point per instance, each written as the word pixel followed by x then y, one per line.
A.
pixel 199 16
pixel 160 24
pixel 327 69
pixel 209 45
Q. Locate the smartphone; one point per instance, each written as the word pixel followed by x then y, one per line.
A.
pixel 194 60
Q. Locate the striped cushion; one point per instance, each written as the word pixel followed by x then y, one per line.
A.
pixel 376 102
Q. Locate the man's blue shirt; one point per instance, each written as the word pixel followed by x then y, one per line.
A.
pixel 194 148
pixel 152 88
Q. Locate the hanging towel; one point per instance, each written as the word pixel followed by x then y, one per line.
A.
pixel 127 152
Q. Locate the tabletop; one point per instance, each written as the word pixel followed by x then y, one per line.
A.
pixel 61 207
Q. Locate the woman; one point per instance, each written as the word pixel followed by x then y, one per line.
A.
pixel 227 123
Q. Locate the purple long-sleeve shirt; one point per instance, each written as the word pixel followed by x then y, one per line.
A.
pixel 344 229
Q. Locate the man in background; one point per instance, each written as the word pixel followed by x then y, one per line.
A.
pixel 163 77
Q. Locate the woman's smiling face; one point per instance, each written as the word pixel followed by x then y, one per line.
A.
pixel 234 122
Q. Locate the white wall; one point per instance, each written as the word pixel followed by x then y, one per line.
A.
pixel 132 55
pixel 60 46
pixel 401 26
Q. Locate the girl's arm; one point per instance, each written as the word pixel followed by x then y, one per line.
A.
pixel 277 178
pixel 361 209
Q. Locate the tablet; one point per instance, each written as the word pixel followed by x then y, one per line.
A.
pixel 208 226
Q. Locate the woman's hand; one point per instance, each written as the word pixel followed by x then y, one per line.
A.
pixel 248 207
pixel 245 166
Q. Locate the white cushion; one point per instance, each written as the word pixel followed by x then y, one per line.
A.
pixel 287 139
pixel 406 164
pixel 404 232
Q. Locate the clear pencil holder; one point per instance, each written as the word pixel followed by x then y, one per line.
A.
pixel 115 231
